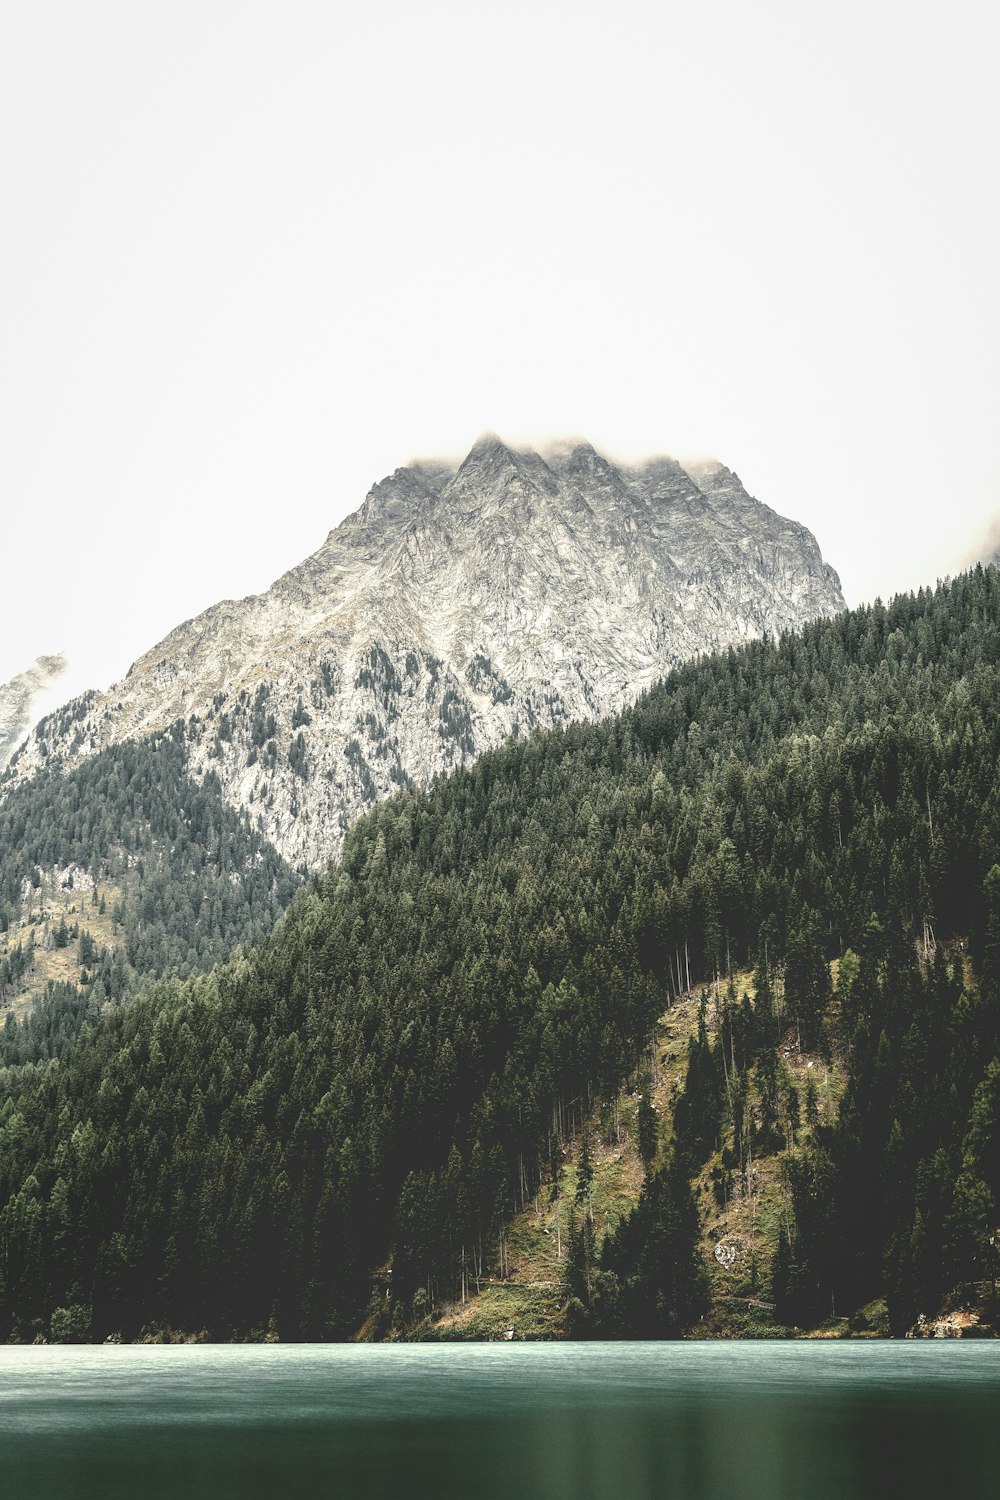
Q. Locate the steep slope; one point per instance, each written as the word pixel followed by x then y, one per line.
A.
pixel 398 1068
pixel 458 606
pixel 122 870
pixel 17 697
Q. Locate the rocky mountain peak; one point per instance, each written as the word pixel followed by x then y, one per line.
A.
pixel 393 502
pixel 460 604
pixel 489 448
pixel 493 475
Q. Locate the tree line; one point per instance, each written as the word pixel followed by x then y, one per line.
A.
pixel 195 879
pixel 392 1071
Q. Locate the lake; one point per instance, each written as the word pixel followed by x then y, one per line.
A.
pixel 703 1421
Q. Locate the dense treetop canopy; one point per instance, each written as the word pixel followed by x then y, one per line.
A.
pixel 388 1071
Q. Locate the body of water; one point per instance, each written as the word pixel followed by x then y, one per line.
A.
pixel 712 1421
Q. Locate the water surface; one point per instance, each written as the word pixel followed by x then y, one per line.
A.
pixel 744 1421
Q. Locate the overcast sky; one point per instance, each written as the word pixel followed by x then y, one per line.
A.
pixel 256 255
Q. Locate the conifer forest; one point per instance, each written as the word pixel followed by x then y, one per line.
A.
pixel 271 1093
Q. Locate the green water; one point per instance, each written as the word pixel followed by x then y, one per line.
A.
pixel 619 1422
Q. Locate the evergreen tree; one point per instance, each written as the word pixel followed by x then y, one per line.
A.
pixel 647 1132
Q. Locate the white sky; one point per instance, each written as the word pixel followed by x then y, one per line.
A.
pixel 256 255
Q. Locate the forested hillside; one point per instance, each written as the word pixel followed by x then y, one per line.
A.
pixel 395 1070
pixel 117 871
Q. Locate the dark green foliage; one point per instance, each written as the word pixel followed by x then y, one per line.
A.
pixel 378 674
pixel 355 757
pixel 652 1282
pixel 580 1272
pixel 297 757
pixel 807 982
pixel 647 1132
pixel 484 678
pixel 199 881
pixel 263 725
pixel 18 962
pixel 900 1197
pixel 455 720
pixel 390 1070
pixel 697 1116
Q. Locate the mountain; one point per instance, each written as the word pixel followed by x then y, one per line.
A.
pixel 18 696
pixel 120 871
pixel 458 606
pixel 335 1129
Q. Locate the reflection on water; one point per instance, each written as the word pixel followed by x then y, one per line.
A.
pixel 613 1422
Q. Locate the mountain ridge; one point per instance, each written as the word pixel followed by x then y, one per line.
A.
pixel 459 604
pixel 405 1063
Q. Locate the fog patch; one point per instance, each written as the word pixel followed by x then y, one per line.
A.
pixel 22 696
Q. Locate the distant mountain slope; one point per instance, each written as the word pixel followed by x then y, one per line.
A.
pixel 456 607
pixel 17 697
pixel 122 871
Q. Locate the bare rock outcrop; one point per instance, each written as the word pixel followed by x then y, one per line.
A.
pixel 458 606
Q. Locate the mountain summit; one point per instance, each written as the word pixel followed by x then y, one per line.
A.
pixel 457 606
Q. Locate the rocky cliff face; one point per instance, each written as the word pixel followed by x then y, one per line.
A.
pixel 456 607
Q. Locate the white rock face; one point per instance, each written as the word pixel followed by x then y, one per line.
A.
pixel 19 696
pixel 456 607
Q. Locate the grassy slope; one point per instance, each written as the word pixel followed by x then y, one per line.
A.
pixel 744 1231
pixel 41 915
pixel 531 1301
